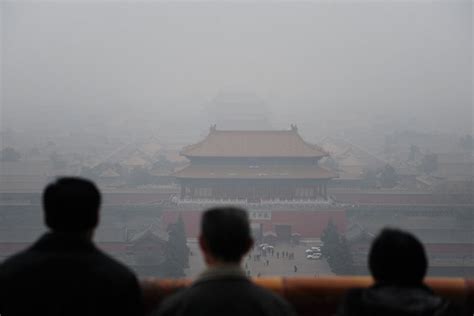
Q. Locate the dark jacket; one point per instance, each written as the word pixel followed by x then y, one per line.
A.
pixel 389 300
pixel 62 274
pixel 224 294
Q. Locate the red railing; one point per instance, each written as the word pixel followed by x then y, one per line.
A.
pixel 321 296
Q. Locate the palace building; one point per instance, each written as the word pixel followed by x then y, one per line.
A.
pixel 254 167
pixel 274 174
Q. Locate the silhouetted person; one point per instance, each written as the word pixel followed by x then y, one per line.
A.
pixel 224 288
pixel 398 264
pixel 63 273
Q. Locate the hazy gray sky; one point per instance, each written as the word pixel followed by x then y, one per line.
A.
pixel 155 65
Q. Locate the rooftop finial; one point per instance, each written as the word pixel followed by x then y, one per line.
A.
pixel 294 128
pixel 212 128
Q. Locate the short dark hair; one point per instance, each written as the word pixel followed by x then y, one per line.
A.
pixel 397 257
pixel 71 205
pixel 226 231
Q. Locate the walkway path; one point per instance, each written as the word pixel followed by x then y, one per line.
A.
pixel 281 266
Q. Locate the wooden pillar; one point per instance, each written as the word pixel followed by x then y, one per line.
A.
pixel 192 191
pixel 183 190
pixel 214 192
pixel 325 192
pixel 221 190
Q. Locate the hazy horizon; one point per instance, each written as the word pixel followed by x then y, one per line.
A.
pixel 155 67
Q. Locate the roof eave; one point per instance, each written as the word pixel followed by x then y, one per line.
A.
pixel 251 178
pixel 236 156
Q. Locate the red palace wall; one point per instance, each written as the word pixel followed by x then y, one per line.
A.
pixel 309 224
pixel 10 248
pixel 450 248
pixel 400 198
pixel 135 198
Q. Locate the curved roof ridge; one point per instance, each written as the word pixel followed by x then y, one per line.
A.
pixel 253 143
pixel 317 147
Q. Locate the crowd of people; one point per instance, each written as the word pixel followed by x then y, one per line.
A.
pixel 268 256
pixel 64 273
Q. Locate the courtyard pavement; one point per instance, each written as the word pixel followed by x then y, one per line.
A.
pixel 277 265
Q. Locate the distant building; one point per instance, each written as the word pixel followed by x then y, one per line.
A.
pixel 450 250
pixel 274 174
pixel 457 166
pixel 239 111
pixel 22 182
pixel 254 166
pixel 350 162
pixel 443 226
pixel 131 234
pixel 147 251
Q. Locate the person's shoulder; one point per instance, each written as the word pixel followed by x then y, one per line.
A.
pixel 111 266
pixel 273 300
pixel 171 304
pixel 351 302
pixel 196 295
pixel 264 293
pixel 16 262
pixel 355 294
